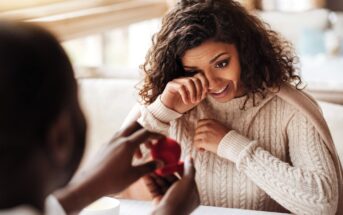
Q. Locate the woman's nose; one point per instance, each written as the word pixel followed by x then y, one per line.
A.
pixel 213 82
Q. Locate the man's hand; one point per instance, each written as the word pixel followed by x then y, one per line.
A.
pixel 116 164
pixel 174 196
pixel 111 171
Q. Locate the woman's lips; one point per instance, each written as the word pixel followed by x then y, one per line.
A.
pixel 221 92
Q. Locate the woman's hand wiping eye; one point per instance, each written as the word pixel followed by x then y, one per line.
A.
pixel 183 94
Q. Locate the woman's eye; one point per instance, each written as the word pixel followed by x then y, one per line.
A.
pixel 222 64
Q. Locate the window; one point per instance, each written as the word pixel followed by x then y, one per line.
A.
pixel 106 38
pixel 115 53
pixel 291 5
pixel 71 19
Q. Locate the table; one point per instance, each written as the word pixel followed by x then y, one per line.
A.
pixel 134 207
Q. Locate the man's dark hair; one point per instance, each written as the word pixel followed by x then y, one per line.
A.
pixel 36 81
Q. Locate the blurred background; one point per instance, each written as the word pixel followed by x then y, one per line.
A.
pixel 107 40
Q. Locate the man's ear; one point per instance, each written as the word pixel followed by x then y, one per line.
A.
pixel 59 142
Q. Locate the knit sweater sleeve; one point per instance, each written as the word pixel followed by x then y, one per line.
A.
pixel 156 117
pixel 306 186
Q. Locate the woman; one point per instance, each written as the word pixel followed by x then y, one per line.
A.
pixel 225 86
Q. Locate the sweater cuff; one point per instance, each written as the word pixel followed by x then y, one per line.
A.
pixel 232 145
pixel 161 112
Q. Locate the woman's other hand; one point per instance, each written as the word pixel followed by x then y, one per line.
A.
pixel 183 94
pixel 208 134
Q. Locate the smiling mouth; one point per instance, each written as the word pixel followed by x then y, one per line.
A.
pixel 221 92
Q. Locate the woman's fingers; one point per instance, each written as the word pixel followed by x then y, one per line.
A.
pixel 187 90
pixel 184 94
pixel 201 129
pixel 199 144
pixel 191 89
pixel 201 134
pixel 177 86
pixel 199 89
pixel 205 84
pixel 191 86
pixel 200 137
pixel 204 123
pixel 194 87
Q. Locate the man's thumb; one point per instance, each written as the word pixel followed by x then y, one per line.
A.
pixel 189 170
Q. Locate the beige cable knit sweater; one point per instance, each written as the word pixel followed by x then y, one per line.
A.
pixel 273 158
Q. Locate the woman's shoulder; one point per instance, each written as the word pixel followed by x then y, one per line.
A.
pixel 274 105
pixel 289 100
pixel 298 99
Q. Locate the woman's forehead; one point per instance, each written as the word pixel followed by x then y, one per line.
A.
pixel 206 52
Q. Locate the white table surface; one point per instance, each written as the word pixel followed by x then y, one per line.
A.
pixel 133 207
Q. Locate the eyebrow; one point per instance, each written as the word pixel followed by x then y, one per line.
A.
pixel 211 61
pixel 190 67
pixel 217 56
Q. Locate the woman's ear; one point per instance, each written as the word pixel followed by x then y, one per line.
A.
pixel 60 140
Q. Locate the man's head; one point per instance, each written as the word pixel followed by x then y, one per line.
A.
pixel 42 129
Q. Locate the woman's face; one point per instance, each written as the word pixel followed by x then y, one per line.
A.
pixel 219 63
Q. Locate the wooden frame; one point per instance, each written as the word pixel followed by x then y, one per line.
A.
pixel 78 18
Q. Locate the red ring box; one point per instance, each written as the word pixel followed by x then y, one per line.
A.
pixel 168 151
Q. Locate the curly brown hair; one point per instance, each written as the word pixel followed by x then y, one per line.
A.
pixel 266 59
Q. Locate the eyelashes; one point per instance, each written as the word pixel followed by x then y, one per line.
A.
pixel 219 65
pixel 223 63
